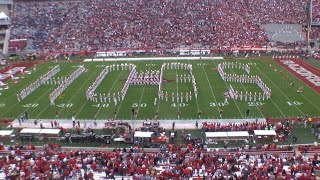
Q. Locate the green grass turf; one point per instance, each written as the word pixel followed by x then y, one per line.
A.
pixel 284 102
pixel 313 62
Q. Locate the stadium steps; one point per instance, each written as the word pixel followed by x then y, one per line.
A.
pixel 286 33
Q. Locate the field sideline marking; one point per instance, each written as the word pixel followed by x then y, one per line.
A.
pixel 151 59
pixel 205 72
pixel 227 88
pixel 123 99
pixel 69 99
pixel 36 99
pixel 142 93
pixel 276 86
pixel 254 103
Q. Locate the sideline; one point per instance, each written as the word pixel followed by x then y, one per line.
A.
pixel 167 123
pixel 151 58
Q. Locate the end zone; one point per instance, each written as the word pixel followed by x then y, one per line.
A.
pixel 307 73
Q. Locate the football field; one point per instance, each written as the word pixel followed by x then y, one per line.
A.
pixel 210 103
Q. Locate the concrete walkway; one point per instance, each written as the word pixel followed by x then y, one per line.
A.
pixel 179 123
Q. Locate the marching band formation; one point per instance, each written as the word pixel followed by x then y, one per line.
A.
pixel 152 77
pixel 65 84
pixel 35 85
pixel 48 75
pixel 247 96
pixel 146 78
pixel 128 81
pixel 116 97
pixel 56 80
pixel 175 97
pixel 182 78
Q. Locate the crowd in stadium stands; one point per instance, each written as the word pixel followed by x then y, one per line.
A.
pixel 51 162
pixel 315 11
pixel 315 33
pixel 224 127
pixel 96 25
pixel 19 44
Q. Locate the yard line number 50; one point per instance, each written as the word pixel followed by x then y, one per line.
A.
pixel 139 105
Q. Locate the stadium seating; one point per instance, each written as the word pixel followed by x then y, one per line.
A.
pixel 96 25
pixel 52 162
pixel 18 45
pixel 315 11
pixel 315 33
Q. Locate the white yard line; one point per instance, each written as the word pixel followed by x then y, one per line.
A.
pixel 227 88
pixel 88 100
pixel 159 105
pixel 273 102
pixel 302 83
pixel 158 109
pixel 144 87
pixel 110 91
pixel 36 99
pixel 310 101
pixel 177 86
pixel 197 98
pixel 123 99
pixel 254 103
pixel 71 96
pixel 214 97
pixel 19 90
pixel 277 87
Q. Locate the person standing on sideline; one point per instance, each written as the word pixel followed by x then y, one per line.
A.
pixel 173 124
pixel 26 115
pixel 248 113
pixel 57 114
pixel 73 122
pixel 197 124
pixel 95 122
